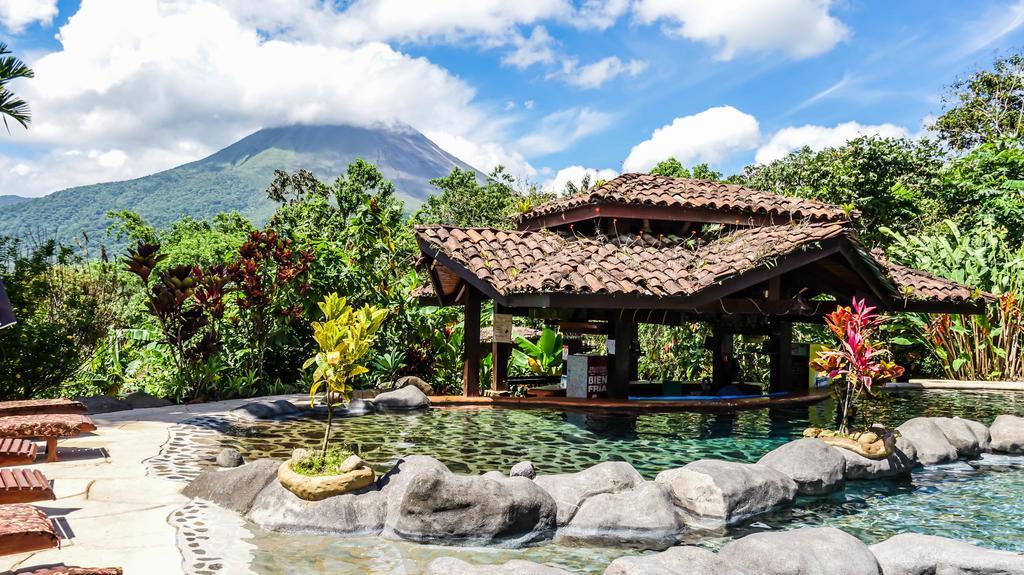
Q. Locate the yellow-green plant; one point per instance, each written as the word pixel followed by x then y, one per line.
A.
pixel 344 337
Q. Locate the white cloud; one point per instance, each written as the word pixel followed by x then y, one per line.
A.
pixel 599 14
pixel 484 156
pixel 596 74
pixel 536 49
pixel 15 15
pixel 561 129
pixel 818 137
pixel 708 136
pixel 575 174
pixel 799 28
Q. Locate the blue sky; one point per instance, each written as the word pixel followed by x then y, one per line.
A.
pixel 551 88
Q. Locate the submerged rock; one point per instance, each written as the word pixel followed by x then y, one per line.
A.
pixel 931 443
pixel 720 492
pixel 916 554
pixel 674 561
pixel 644 516
pixel 351 514
pixel 233 489
pixel 229 457
pixel 404 399
pixel 523 469
pixel 416 382
pixel 267 409
pixel 438 505
pixel 816 467
pixel 453 566
pixel 800 551
pixel 1008 434
pixel 902 461
pixel 570 490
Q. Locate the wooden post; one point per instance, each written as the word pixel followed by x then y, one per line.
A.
pixel 782 357
pixel 471 344
pixel 500 354
pixel 720 375
pixel 618 379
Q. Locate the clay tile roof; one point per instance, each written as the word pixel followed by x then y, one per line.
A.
pixel 652 190
pixel 917 285
pixel 519 262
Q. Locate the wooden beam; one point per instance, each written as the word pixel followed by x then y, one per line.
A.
pixel 471 345
pixel 458 269
pixel 654 213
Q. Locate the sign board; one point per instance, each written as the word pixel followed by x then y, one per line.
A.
pixel 588 376
pixel 502 328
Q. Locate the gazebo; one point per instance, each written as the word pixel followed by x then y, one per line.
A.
pixel 652 249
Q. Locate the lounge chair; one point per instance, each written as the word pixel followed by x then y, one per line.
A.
pixel 17 452
pixel 65 570
pixel 41 406
pixel 48 426
pixel 24 528
pixel 24 486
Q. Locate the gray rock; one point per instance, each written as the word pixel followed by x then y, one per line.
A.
pixel 453 566
pixel 674 561
pixel 902 461
pixel 404 399
pixel 394 483
pixel 102 404
pixel 416 382
pixel 800 551
pixel 234 489
pixel 267 409
pixel 931 443
pixel 815 466
pixel 143 400
pixel 441 506
pixel 570 490
pixel 359 407
pixel 351 514
pixel 723 492
pixel 493 474
pixel 229 457
pixel 523 469
pixel 1008 434
pixel 645 516
pixel 969 438
pixel 916 554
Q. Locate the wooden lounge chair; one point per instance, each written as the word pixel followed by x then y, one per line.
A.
pixel 65 570
pixel 48 426
pixel 41 406
pixel 16 452
pixel 24 486
pixel 24 528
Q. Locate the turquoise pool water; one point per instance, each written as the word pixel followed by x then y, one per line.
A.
pixel 977 502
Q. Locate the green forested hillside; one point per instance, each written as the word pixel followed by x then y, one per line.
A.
pixel 10 200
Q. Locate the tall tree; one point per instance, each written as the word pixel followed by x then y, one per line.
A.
pixel 464 201
pixel 673 168
pixel 985 106
pixel 11 106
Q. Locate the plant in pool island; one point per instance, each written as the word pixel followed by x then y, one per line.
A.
pixel 859 362
pixel 541 358
pixel 344 337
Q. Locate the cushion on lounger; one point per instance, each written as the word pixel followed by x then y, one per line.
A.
pixel 39 406
pixel 65 570
pixel 16 451
pixel 45 425
pixel 24 528
pixel 24 486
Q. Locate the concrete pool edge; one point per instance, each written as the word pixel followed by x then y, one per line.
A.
pixel 966 385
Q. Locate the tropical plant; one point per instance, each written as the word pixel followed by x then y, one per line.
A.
pixel 674 353
pixel 985 106
pixel 343 338
pixel 11 106
pixel 541 358
pixel 859 362
pixel 463 201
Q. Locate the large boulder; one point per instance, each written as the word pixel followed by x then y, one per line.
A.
pixel 235 488
pixel 440 506
pixel 916 554
pixel 723 492
pixel 815 466
pixel 102 404
pixel 351 514
pixel 969 438
pixel 453 566
pixel 359 407
pixel 674 561
pixel 570 490
pixel 404 399
pixel 143 400
pixel 1008 434
pixel 416 382
pixel 394 483
pixel 645 516
pixel 931 443
pixel 902 461
pixel 800 551
pixel 266 409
